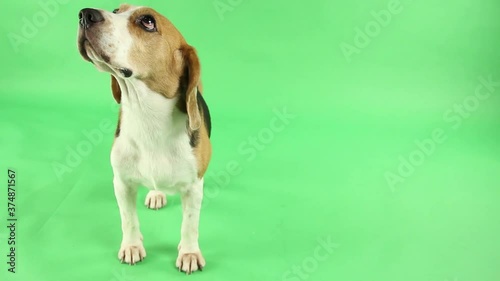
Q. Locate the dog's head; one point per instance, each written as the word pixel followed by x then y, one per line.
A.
pixel 139 43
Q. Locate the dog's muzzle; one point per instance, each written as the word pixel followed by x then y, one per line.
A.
pixel 89 17
pixel 89 37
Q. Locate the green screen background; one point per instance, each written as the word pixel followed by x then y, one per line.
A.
pixel 274 194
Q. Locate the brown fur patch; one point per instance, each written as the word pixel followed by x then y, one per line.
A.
pixel 156 54
pixel 193 68
pixel 115 88
pixel 117 94
pixel 203 151
pixel 123 8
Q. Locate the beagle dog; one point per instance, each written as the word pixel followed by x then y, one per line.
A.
pixel 162 140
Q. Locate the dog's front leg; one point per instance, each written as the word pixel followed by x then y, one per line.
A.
pixel 131 250
pixel 190 258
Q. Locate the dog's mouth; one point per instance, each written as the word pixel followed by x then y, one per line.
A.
pixel 82 47
pixel 94 55
pixel 89 51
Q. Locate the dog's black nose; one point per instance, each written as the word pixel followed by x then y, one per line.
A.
pixel 89 17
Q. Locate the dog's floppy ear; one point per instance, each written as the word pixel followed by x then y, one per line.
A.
pixel 115 88
pixel 192 65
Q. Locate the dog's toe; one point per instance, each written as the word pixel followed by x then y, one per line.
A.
pixel 131 254
pixel 155 199
pixel 190 262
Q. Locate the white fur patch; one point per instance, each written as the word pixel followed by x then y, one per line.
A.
pixel 116 41
pixel 153 147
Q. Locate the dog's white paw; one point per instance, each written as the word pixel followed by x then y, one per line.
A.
pixel 190 262
pixel 132 253
pixel 155 199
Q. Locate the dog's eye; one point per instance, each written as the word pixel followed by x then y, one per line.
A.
pixel 115 11
pixel 148 22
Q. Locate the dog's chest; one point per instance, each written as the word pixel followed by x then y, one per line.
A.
pixel 153 146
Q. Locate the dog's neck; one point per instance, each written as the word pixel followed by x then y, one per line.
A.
pixel 146 112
